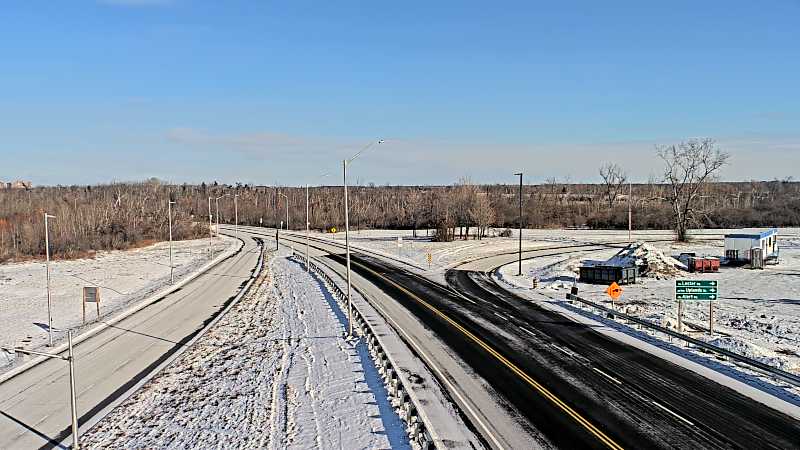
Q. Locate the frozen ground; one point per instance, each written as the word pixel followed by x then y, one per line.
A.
pixel 445 255
pixel 124 277
pixel 758 314
pixel 274 373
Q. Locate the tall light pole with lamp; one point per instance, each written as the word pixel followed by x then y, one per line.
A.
pixel 347 235
pixel 171 266
pixel 47 268
pixel 287 209
pixel 236 212
pixel 70 359
pixel 216 200
pixel 210 230
pixel 519 271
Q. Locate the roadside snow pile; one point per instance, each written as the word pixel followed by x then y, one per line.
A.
pixel 651 261
pixel 753 351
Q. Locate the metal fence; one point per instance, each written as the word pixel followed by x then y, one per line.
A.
pixel 416 428
pixel 757 365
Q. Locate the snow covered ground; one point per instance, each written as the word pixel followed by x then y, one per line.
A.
pixel 274 373
pixel 447 254
pixel 124 277
pixel 758 314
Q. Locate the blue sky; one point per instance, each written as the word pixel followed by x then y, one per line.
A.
pixel 276 92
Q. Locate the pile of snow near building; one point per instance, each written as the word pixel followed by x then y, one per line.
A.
pixel 651 261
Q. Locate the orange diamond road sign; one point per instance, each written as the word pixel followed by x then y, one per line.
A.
pixel 614 291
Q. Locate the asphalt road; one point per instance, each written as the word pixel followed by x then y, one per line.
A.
pixel 578 387
pixel 34 405
pixel 642 400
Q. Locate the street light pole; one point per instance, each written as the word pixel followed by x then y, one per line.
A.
pixel 519 274
pixel 630 212
pixel 72 395
pixel 210 230
pixel 171 267
pixel 216 200
pixel 47 267
pixel 287 210
pixel 347 236
pixel 347 251
pixel 236 212
pixel 70 358
pixel 308 261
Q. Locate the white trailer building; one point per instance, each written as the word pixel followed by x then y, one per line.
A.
pixel 739 245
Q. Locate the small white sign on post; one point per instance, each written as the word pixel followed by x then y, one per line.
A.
pixel 91 294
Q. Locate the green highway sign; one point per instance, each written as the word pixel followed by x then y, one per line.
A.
pixel 697 290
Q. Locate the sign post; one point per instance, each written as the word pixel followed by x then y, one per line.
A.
pixel 698 291
pixel 91 294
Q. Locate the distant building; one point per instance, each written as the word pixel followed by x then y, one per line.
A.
pixel 739 246
pixel 18 184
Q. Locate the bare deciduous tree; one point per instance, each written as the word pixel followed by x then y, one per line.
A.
pixel 614 180
pixel 482 214
pixel 689 166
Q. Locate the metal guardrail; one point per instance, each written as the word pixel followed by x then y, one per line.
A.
pixel 416 428
pixel 773 371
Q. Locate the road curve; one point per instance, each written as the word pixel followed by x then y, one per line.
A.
pixel 540 361
pixel 676 406
pixel 34 405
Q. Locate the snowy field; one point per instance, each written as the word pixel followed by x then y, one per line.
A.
pixel 445 255
pixel 124 277
pixel 758 314
pixel 274 373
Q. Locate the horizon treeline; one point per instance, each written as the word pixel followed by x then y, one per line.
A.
pixel 124 215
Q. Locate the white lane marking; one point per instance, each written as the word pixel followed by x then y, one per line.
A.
pixel 528 331
pixel 606 375
pixel 672 412
pixel 463 296
pixel 567 352
pixel 500 315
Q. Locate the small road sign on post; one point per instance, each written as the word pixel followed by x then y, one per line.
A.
pixel 91 294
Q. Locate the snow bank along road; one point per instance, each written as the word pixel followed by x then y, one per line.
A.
pixel 34 405
pixel 573 385
pixel 275 372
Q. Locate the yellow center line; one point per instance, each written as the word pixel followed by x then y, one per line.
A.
pixel 519 372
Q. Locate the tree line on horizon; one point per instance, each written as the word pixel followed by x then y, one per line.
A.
pixel 123 215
